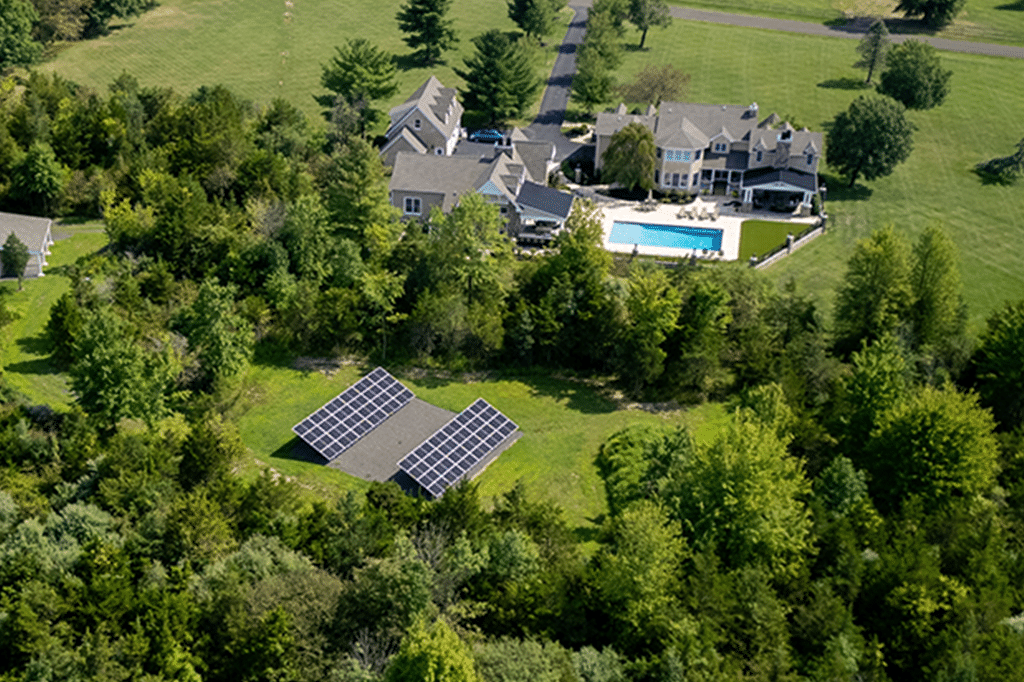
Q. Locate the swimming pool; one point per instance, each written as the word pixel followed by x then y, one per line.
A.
pixel 672 236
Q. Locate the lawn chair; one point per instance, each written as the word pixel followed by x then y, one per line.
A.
pixel 714 212
pixel 703 215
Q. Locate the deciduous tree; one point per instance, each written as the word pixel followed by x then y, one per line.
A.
pixel 629 158
pixel 654 84
pixel 593 83
pixel 914 76
pixel 536 18
pixel 221 338
pixel 873 48
pixel 17 47
pixel 875 295
pixel 500 81
pixel 14 258
pixel 432 654
pixel 428 29
pixel 360 73
pixel 645 14
pixel 938 314
pixel 939 446
pixel 935 13
pixel 870 138
pixel 999 364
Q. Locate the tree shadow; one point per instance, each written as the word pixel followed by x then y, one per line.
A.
pixel 845 83
pixel 839 189
pixel 1012 7
pixel 588 533
pixel 410 61
pixel 37 367
pixel 576 397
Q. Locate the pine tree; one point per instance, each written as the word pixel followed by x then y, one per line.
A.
pixel 429 30
pixel 593 84
pixel 14 258
pixel 500 80
pixel 873 48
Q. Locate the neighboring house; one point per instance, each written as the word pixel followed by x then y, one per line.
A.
pixel 724 149
pixel 429 122
pixel 33 233
pixel 511 174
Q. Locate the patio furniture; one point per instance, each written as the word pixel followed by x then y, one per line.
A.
pixel 703 215
pixel 714 212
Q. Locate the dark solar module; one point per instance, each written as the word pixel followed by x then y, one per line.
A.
pixel 455 448
pixel 356 411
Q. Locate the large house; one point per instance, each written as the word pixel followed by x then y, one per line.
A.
pixel 429 122
pixel 724 148
pixel 433 166
pixel 33 233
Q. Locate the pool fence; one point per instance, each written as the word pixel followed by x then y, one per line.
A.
pixel 791 245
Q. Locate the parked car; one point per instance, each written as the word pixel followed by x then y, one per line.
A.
pixel 486 136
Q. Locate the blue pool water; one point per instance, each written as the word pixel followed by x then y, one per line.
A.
pixel 672 236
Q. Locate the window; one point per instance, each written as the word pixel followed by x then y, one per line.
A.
pixel 721 147
pixel 686 156
pixel 810 159
pixel 658 152
pixel 675 179
pixel 438 151
pixel 656 176
pixel 760 155
pixel 417 124
pixel 412 206
pixel 697 156
pixel 685 182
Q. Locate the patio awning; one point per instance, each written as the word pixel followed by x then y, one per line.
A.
pixel 780 180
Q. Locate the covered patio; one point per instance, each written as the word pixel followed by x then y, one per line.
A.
pixel 778 190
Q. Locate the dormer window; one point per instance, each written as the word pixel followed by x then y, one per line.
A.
pixel 786 135
pixel 438 151
pixel 721 147
pixel 417 124
pixel 810 158
pixel 759 156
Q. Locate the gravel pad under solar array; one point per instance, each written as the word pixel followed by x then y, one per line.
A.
pixel 359 409
pixel 457 447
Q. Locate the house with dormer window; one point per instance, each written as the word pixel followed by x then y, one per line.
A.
pixel 722 149
pixel 429 122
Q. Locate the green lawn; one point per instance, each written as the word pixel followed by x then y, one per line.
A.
pixel 762 236
pixel 803 81
pixel 26 366
pixel 563 424
pixel 996 21
pixel 261 54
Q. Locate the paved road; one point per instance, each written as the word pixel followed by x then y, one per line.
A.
pixel 548 124
pixel 854 29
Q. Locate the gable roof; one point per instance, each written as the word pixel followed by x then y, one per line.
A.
pixel 452 176
pixel 438 105
pixel 779 177
pixel 33 232
pixel 545 199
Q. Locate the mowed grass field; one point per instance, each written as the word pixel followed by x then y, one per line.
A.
pixel 802 78
pixel 24 361
pixel 760 237
pixel 260 52
pixel 563 424
pixel 996 21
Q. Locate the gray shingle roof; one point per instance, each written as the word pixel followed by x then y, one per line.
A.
pixel 764 176
pixel 433 100
pixel 32 231
pixel 546 199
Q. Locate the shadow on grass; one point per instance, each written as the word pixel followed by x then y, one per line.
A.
pixel 298 451
pixel 589 533
pixel 839 189
pixel 1012 7
pixel 844 84
pixel 576 397
pixel 37 367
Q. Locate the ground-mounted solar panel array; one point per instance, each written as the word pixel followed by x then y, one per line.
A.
pixel 457 447
pixel 359 409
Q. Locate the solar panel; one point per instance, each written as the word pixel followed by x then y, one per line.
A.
pixel 457 447
pixel 356 411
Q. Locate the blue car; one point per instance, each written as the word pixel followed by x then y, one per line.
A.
pixel 486 136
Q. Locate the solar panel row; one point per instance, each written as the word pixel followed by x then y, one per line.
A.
pixel 457 447
pixel 359 409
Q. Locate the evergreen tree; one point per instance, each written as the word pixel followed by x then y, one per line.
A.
pixel 593 83
pixel 359 74
pixel 429 30
pixel 934 13
pixel 873 48
pixel 536 18
pixel 870 138
pixel 999 364
pixel 14 258
pixel 500 80
pixel 17 46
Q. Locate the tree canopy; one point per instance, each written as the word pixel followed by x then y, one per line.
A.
pixel 914 76
pixel 536 18
pixel 360 74
pixel 14 258
pixel 646 14
pixel 428 29
pixel 500 80
pixel 934 13
pixel 873 48
pixel 1000 364
pixel 17 46
pixel 870 138
pixel 629 158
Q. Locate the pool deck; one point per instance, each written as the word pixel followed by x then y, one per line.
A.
pixel 728 222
